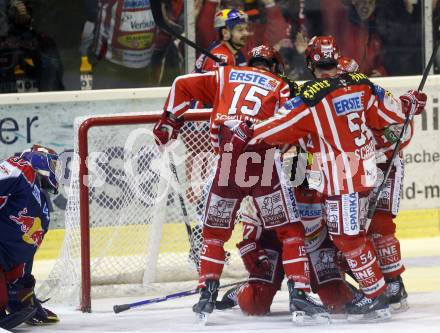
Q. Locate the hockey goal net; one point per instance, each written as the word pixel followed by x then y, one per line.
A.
pixel 125 230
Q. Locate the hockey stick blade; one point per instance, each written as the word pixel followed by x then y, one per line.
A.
pixel 124 307
pixel 121 308
pixel 156 9
pixel 377 193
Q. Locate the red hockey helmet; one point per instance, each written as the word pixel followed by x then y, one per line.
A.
pixel 255 298
pixel 322 51
pixel 267 56
pixel 347 65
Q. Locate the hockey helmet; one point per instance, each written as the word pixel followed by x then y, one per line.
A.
pixel 229 18
pixel 44 162
pixel 347 65
pixel 322 51
pixel 267 55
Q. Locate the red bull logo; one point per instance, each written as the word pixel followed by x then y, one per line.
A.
pixel 31 227
pixel 25 167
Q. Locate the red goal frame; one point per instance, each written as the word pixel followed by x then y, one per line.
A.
pixel 85 299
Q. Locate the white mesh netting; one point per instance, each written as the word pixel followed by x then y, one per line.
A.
pixel 139 242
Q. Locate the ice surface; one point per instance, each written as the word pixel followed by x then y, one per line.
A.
pixel 176 316
pixel 422 277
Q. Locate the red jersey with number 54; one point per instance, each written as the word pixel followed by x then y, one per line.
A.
pixel 236 93
pixel 337 115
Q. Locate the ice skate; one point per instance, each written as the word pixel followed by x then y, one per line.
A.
pixel 397 296
pixel 229 299
pixel 305 309
pixel 369 309
pixel 206 303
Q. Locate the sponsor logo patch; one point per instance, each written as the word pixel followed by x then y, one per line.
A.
pixel 348 103
pixel 256 79
pixel 220 211
pixel 272 209
pixel 350 213
pixel 332 214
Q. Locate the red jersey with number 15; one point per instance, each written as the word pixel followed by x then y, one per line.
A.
pixel 236 93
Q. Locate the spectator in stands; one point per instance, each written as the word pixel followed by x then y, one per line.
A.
pixel 354 25
pixel 29 60
pixel 399 26
pixel 122 43
pixel 304 19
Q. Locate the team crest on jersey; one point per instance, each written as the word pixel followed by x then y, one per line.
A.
pixel 31 227
pixel 348 103
pixel 257 79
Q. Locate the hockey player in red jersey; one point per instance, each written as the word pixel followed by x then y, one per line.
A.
pixel 338 113
pixel 231 26
pixel 241 96
pixel 382 228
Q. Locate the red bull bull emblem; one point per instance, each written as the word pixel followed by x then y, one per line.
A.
pixel 30 226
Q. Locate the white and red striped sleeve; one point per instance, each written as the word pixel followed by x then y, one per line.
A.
pixel 383 109
pixel 186 88
pixel 290 124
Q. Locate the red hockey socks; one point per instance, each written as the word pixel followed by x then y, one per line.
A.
pixel 212 260
pixel 295 260
pixel 362 260
pixel 386 244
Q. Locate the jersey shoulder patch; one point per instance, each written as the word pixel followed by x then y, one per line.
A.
pixel 7 170
pixel 293 103
pixel 312 92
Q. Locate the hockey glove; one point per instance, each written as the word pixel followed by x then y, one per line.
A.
pixel 413 102
pixel 22 295
pixel 167 128
pixel 254 257
pixel 242 135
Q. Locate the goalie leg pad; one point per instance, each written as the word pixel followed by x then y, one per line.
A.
pixel 255 298
pixel 295 261
pixel 362 260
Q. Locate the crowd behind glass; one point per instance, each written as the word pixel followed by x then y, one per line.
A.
pixel 51 45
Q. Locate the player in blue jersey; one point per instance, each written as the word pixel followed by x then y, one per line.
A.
pixel 25 181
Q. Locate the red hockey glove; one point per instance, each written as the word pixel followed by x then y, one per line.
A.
pixel 242 135
pixel 254 257
pixel 167 128
pixel 413 102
